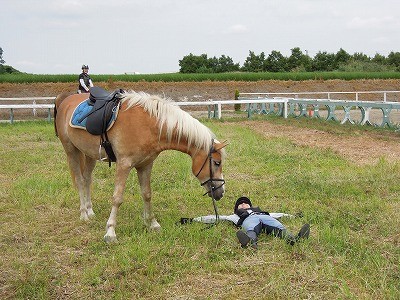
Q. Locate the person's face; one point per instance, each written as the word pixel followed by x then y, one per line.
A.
pixel 243 206
pixel 85 70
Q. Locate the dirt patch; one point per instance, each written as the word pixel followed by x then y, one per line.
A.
pixel 367 148
pixel 206 90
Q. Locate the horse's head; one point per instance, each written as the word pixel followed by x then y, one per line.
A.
pixel 207 166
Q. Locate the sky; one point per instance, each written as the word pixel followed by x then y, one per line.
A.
pixel 151 36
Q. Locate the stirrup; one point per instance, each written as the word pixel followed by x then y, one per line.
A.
pixel 101 158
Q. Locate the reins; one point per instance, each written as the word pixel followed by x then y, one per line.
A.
pixel 210 180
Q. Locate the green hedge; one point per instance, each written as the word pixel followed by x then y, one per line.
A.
pixel 177 77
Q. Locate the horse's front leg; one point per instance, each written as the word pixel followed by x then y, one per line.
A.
pixel 122 174
pixel 144 174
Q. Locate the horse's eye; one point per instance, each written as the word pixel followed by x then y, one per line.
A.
pixel 217 163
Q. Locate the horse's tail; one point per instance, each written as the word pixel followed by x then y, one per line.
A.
pixel 57 103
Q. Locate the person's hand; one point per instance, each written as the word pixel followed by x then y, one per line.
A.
pixel 186 220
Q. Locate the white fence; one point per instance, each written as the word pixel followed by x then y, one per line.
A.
pixel 376 113
pixel 270 103
pixel 393 96
pixel 214 107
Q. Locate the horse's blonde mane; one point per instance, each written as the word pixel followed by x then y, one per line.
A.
pixel 170 116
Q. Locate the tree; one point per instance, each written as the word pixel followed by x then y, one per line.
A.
pixel 323 61
pixel 202 64
pixel 341 58
pixel 193 63
pixel 254 63
pixel 394 59
pixel 359 56
pixel 226 64
pixel 275 62
pixel 379 59
pixel 298 61
pixel 1 56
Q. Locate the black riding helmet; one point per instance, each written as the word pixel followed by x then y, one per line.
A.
pixel 240 201
pixel 85 67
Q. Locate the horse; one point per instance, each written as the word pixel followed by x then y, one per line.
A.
pixel 146 125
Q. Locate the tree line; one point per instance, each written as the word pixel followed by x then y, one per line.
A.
pixel 4 68
pixel 296 62
pixel 276 62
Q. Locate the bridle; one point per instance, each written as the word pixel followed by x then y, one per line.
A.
pixel 211 179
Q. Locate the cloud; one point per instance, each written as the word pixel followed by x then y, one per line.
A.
pixel 381 40
pixel 69 6
pixel 371 23
pixel 237 28
pixel 27 63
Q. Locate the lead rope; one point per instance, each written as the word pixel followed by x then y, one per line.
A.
pixel 212 192
pixel 212 189
pixel 209 157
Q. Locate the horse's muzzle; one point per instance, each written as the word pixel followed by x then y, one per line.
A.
pixel 215 189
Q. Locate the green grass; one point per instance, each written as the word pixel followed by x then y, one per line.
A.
pixel 47 253
pixel 177 77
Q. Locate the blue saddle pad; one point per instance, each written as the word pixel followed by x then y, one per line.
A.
pixel 84 108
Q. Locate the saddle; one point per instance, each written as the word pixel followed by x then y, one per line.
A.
pixel 103 103
pixel 97 119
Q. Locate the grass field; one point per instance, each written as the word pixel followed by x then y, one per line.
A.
pixel 47 253
pixel 178 77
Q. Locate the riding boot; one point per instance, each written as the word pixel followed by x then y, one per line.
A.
pixel 284 234
pixel 291 239
pixel 253 238
pixel 246 238
pixel 304 232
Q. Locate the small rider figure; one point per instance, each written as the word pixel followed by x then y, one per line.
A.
pixel 85 82
pixel 254 221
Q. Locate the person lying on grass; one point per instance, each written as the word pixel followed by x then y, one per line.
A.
pixel 254 221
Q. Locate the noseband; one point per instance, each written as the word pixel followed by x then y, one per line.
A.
pixel 211 179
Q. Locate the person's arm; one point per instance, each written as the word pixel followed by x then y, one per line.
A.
pixel 210 219
pixel 90 82
pixel 83 84
pixel 280 215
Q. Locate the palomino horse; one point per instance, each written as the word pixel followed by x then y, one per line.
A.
pixel 146 126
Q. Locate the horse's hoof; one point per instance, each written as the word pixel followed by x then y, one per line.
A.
pixel 155 226
pixel 84 217
pixel 110 239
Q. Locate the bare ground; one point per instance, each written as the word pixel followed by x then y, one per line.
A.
pixel 362 149
pixel 206 90
pixel 366 148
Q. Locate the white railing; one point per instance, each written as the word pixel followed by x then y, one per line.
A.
pixel 328 94
pixel 34 106
pixel 215 107
pixel 218 104
pixel 27 99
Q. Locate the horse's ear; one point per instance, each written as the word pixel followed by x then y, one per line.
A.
pixel 219 146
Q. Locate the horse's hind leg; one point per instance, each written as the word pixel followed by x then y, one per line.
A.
pixel 90 163
pixel 144 174
pixel 76 163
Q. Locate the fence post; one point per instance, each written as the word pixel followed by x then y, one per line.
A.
pixel 34 109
